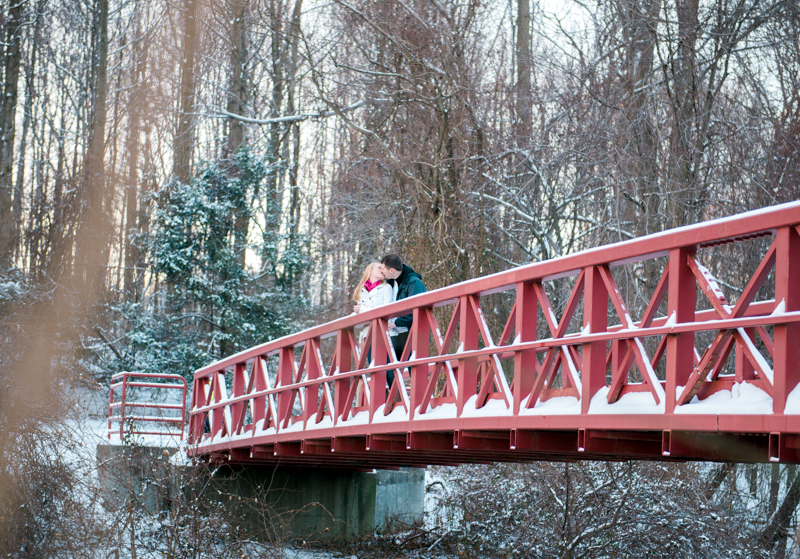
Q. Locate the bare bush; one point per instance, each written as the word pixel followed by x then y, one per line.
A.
pixel 588 510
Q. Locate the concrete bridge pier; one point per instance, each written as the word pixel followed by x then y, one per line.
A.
pixel 265 501
pixel 135 473
pixel 320 503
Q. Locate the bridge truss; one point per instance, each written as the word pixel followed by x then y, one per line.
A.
pixel 541 362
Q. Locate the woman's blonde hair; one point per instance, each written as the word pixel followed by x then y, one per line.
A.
pixel 364 278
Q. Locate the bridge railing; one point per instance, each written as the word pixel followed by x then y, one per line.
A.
pixel 596 359
pixel 130 415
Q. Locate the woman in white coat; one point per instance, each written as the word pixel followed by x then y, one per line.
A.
pixel 372 292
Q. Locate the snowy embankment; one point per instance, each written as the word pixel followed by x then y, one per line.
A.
pixel 78 437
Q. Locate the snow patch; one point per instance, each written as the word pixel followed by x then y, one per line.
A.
pixel 398 414
pixel 633 402
pixel 163 441
pixel 793 402
pixel 491 408
pixel 651 374
pixel 260 430
pixel 560 405
pixel 443 411
pixel 361 418
pixel 242 435
pixel 743 398
pixel 324 423
pixel 296 426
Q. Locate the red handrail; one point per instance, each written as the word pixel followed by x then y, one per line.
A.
pixel 258 413
pixel 131 422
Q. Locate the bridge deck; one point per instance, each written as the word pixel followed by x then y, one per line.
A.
pixel 571 375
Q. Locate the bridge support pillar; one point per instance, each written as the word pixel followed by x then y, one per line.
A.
pixel 318 503
pixel 127 472
pixel 314 504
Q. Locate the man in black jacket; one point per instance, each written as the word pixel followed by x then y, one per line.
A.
pixel 405 283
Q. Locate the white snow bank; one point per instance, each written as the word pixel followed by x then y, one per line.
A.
pixel 743 398
pixel 491 408
pixel 443 411
pixel 398 414
pixel 560 405
pixel 632 402
pixel 793 402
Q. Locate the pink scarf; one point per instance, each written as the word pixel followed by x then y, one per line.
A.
pixel 370 285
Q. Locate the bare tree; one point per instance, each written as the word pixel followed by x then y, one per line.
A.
pixel 12 59
pixel 133 202
pixel 183 142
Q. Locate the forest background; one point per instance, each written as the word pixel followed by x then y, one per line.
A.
pixel 181 180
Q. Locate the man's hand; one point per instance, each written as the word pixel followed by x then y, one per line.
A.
pixel 391 323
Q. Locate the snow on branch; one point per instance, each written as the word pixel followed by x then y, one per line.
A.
pixel 290 118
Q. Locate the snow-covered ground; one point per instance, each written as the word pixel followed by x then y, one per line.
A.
pixel 87 427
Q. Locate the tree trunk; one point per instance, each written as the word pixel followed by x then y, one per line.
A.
pixel 752 480
pixel 776 532
pixel 94 227
pixel 133 256
pixel 60 242
pixel 143 219
pixel 641 205
pixel 686 92
pixel 237 92
pixel 524 72
pixel 26 124
pixel 294 38
pixel 184 132
pixel 278 59
pixel 719 476
pixel 8 110
pixel 774 488
pixel 237 101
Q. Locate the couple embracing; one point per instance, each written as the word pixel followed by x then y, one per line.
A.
pixel 385 282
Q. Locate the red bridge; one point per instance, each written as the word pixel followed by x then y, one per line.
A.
pixel 693 376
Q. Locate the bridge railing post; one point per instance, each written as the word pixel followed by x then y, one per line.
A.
pixel 344 353
pixel 239 387
pixel 525 317
pixel 595 319
pixel 284 379
pixel 380 354
pixel 468 334
pixel 218 394
pixel 198 421
pixel 313 372
pixel 743 367
pixel 259 383
pixel 786 364
pixel 681 300
pixel 421 347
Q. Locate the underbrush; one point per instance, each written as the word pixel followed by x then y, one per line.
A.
pixel 588 510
